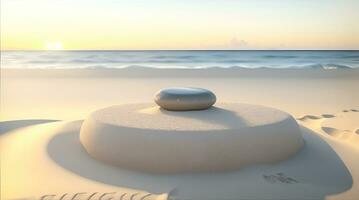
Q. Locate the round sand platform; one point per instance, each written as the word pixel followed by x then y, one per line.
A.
pixel 148 138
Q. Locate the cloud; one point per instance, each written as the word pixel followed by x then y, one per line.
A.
pixel 232 44
pixel 238 44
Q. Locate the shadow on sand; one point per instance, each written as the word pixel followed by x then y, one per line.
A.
pixel 6 126
pixel 316 169
pixel 214 115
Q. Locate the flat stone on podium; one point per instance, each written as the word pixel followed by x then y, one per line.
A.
pixel 185 98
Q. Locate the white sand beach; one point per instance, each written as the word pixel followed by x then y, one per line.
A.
pixel 42 111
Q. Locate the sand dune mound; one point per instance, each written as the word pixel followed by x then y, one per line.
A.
pixel 225 137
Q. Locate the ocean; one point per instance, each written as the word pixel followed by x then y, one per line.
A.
pixel 181 59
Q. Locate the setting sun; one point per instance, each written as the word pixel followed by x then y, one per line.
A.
pixel 53 46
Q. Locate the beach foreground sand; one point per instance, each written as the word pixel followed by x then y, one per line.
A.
pixel 42 113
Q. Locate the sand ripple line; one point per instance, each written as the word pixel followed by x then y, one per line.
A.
pixel 133 196
pixel 123 196
pixel 309 117
pixel 336 132
pixel 328 115
pixel 144 197
pixel 314 117
pixel 279 178
pixel 320 122
pixel 350 110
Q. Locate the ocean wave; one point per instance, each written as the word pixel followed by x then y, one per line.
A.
pixel 279 57
pixel 323 66
pixel 182 59
pixel 313 66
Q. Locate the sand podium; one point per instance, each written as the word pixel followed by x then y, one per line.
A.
pixel 185 133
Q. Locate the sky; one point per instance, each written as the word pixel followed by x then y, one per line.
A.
pixel 179 24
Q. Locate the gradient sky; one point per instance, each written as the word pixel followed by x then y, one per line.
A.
pixel 179 24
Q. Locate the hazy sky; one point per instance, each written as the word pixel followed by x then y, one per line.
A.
pixel 180 24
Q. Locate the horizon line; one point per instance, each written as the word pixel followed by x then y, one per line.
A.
pixel 182 50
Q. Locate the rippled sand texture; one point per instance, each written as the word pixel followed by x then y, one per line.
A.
pixel 42 112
